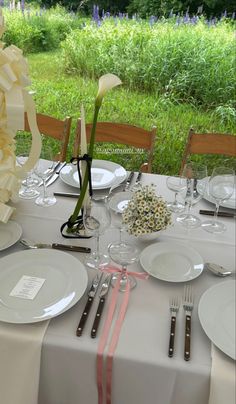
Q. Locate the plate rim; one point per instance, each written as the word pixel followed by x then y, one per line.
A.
pixel 174 244
pixel 46 251
pixel 94 187
pixel 200 316
pixel 18 235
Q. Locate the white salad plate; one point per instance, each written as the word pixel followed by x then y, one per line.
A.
pixel 104 174
pixel 64 281
pixel 171 262
pixel 229 203
pixel 216 311
pixel 10 233
pixel 120 201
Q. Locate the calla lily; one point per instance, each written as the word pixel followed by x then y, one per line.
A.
pixel 106 83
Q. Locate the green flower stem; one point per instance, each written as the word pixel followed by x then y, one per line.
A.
pixel 85 182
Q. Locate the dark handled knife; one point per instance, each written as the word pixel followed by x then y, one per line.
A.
pixel 220 214
pixel 56 246
pixel 102 296
pixel 128 181
pixel 91 294
pixel 66 194
pixel 138 177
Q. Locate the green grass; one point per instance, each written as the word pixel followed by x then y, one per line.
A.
pixel 59 95
pixel 186 63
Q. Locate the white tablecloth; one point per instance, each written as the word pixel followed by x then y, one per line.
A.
pixel 143 372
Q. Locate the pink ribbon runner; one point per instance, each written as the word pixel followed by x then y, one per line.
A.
pixel 115 335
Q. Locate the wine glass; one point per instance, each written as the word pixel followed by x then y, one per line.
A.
pixel 196 179
pixel 28 184
pixel 96 219
pixel 177 185
pixel 43 168
pixel 117 204
pixel 123 254
pixel 221 187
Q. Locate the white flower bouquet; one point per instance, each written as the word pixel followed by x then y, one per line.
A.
pixel 146 212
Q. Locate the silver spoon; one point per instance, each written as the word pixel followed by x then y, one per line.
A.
pixel 217 270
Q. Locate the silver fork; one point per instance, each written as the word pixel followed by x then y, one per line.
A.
pixel 188 308
pixel 174 308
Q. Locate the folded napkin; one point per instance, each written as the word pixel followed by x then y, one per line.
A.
pixel 20 353
pixel 222 389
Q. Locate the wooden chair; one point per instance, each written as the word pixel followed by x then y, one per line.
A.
pixel 121 133
pixel 55 128
pixel 209 143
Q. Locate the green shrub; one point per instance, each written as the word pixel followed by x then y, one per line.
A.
pixel 38 31
pixel 193 63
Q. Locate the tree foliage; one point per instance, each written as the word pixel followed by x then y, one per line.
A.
pixel 145 7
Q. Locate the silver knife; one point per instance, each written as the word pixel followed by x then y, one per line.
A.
pixel 91 294
pixel 54 176
pixel 102 298
pixel 128 181
pixel 138 181
pixel 50 171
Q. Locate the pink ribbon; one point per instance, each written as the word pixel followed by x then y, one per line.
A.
pixel 115 335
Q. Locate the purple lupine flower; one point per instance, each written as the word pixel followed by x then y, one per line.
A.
pixel 178 20
pixel 171 13
pixel 233 16
pixel 1 3
pixel 23 5
pixel 225 14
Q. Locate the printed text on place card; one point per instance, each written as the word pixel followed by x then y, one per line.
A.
pixel 27 287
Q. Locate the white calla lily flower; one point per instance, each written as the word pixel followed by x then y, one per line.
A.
pixel 106 83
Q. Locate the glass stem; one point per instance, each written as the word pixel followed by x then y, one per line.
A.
pixel 44 189
pixel 216 211
pixel 175 200
pixel 97 247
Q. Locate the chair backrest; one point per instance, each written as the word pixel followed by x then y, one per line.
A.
pixel 209 143
pixel 55 128
pixel 121 133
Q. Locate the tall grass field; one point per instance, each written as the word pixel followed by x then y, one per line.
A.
pixel 175 76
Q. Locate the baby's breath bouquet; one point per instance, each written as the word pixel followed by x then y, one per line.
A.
pixel 146 212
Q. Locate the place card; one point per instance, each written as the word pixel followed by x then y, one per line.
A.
pixel 27 287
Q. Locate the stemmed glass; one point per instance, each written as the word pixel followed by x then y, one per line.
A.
pixel 221 187
pixel 196 179
pixel 96 219
pixel 177 185
pixel 43 168
pixel 28 185
pixel 117 204
pixel 123 254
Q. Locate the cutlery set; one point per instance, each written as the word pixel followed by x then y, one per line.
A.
pixel 53 173
pixel 188 308
pixel 102 298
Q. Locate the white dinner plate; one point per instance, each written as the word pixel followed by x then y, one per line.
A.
pixel 120 201
pixel 65 281
pixel 229 203
pixel 10 233
pixel 171 262
pixel 104 174
pixel 216 311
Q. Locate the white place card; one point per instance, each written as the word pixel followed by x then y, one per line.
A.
pixel 27 287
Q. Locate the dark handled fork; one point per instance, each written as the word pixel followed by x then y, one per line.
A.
pixel 188 308
pixel 174 308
